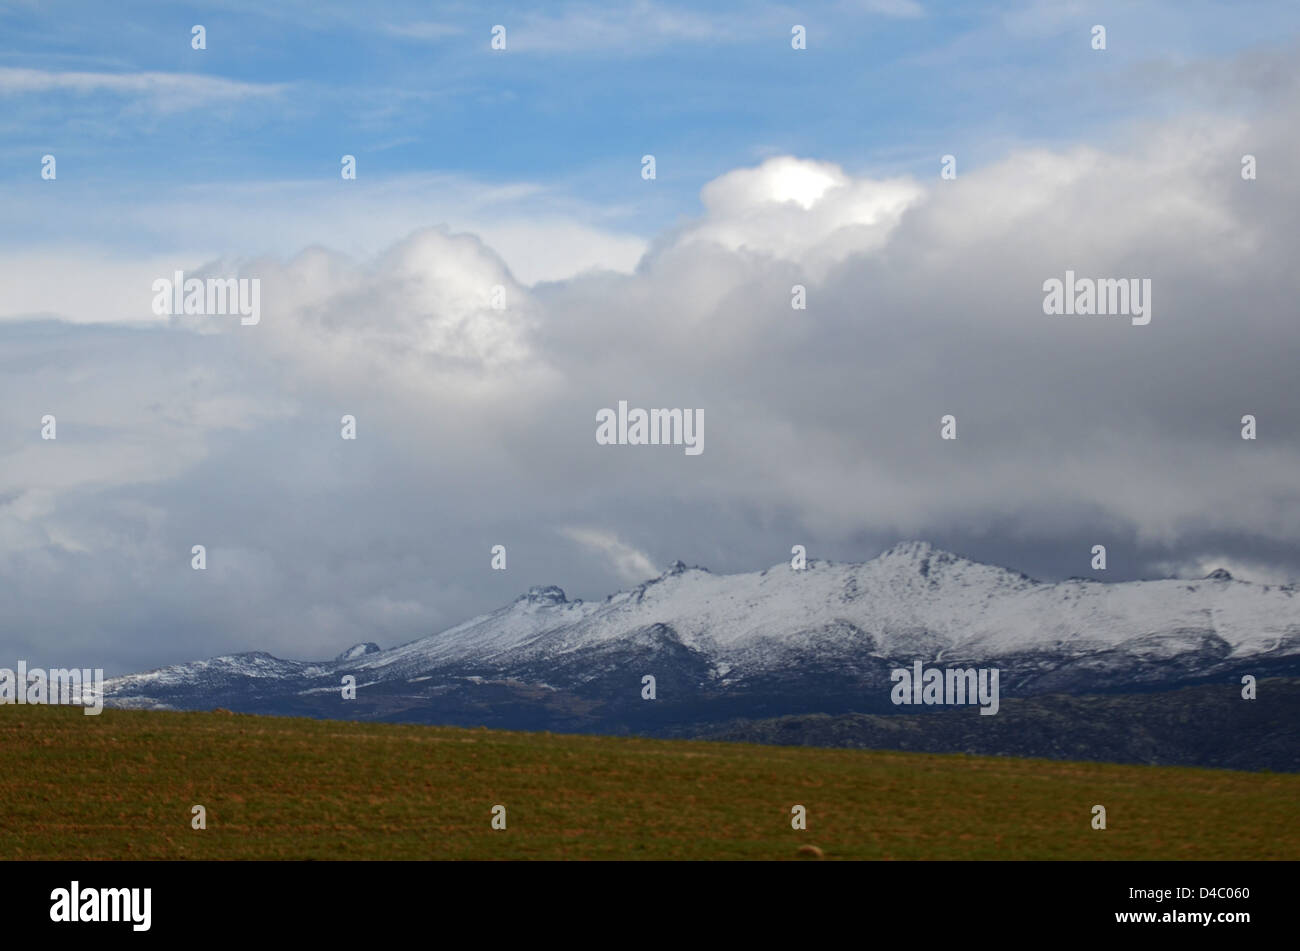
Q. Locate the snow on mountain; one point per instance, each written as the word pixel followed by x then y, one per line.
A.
pixel 910 597
pixel 913 602
pixel 254 664
pixel 358 650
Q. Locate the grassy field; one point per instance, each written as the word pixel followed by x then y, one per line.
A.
pixel 121 786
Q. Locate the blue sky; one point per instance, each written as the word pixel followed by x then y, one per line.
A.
pixel 581 93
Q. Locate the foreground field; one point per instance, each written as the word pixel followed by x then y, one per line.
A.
pixel 122 785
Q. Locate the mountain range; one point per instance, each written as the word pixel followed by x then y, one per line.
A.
pixel 776 643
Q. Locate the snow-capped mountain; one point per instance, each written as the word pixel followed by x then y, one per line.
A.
pixel 781 641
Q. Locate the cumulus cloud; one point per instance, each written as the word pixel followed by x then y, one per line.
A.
pixel 113 241
pixel 476 425
pixel 801 211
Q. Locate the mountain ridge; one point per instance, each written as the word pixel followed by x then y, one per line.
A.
pixel 765 644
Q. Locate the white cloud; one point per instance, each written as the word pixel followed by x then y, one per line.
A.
pixel 169 92
pixel 627 562
pixel 422 30
pixel 800 210
pixel 893 8
pixel 477 426
pixel 1241 569
pixel 1040 18
pixel 540 234
pixel 634 26
pixel 109 287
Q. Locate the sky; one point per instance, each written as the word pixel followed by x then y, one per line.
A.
pixel 522 169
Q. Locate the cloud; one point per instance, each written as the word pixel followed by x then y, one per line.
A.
pixel 168 92
pixel 594 27
pixel 476 425
pixel 1194 569
pixel 1041 18
pixel 802 211
pixel 893 8
pixel 541 234
pixel 628 563
pixel 423 30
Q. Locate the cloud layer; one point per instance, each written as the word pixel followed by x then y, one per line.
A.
pixel 475 425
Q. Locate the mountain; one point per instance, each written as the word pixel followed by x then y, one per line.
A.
pixel 768 644
pixel 358 650
pixel 1168 728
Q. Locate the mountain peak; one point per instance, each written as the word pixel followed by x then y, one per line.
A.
pixel 925 559
pixel 911 549
pixel 359 650
pixel 543 594
pixel 679 567
pixel 1219 574
pixel 916 551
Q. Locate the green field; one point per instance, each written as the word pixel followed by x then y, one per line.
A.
pixel 121 786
